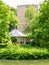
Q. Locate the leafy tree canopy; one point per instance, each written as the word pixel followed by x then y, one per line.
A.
pixel 30 11
pixel 15 10
pixel 40 25
pixel 7 17
pixel 29 15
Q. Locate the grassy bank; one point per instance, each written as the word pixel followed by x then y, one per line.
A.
pixel 25 62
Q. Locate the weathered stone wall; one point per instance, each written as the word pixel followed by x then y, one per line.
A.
pixel 21 15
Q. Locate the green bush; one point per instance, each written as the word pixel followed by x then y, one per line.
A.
pixel 17 52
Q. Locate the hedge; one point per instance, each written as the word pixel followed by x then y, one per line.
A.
pixel 23 53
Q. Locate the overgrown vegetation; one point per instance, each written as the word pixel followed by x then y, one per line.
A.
pixel 39 25
pixel 7 18
pixel 40 34
pixel 20 52
pixel 29 15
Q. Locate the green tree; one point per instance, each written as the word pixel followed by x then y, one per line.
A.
pixel 7 17
pixel 30 11
pixel 29 14
pixel 40 25
pixel 15 10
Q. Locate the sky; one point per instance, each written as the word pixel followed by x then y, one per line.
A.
pixel 15 3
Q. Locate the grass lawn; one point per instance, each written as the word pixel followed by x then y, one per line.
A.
pixel 24 62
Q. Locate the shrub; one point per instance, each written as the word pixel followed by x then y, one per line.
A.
pixel 15 52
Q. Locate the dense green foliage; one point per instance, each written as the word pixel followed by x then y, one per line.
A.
pixel 40 25
pixel 7 18
pixel 15 10
pixel 19 52
pixel 40 34
pixel 30 11
pixel 29 14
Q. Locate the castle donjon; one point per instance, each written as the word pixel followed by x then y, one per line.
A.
pixel 21 9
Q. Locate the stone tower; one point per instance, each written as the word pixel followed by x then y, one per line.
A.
pixel 21 15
